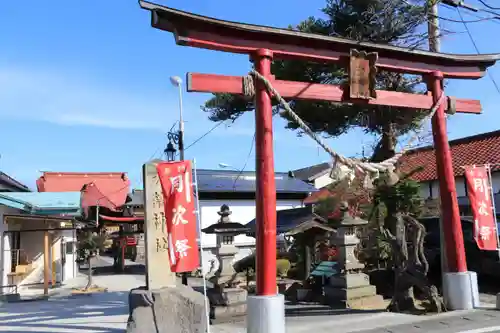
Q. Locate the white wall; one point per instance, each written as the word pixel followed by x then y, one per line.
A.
pixel 5 254
pixel 243 211
pixel 425 190
pixel 32 244
pixel 323 181
pixel 70 267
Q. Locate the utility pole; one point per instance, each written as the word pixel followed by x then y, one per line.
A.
pixel 433 26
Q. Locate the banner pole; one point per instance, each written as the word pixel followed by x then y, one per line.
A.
pixel 195 185
pixel 492 195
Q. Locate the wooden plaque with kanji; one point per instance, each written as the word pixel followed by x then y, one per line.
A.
pixel 362 71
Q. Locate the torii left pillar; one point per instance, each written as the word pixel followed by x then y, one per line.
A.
pixel 266 310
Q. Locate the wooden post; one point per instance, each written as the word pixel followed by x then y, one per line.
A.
pixel 53 260
pixel 46 263
pixel 122 253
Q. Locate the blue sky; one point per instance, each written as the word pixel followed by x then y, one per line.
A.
pixel 84 86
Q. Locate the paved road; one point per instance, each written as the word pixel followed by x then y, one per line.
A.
pixel 477 321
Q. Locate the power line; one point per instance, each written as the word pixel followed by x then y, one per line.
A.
pixel 473 14
pixel 469 21
pixel 204 135
pixel 252 144
pixel 496 16
pixel 488 5
pixel 477 49
pixel 462 4
pixel 154 154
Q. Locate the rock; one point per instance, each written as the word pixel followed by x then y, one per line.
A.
pixel 177 309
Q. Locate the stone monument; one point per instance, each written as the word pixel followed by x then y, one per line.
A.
pixel 351 288
pixel 162 305
pixel 226 300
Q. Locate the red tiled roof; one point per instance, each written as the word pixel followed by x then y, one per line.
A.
pixel 473 150
pixel 325 192
pixel 318 196
pixel 113 185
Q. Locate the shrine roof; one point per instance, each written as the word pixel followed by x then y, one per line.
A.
pixel 478 149
pixel 221 35
pixel 288 219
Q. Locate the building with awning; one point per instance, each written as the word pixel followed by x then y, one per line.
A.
pixel 38 239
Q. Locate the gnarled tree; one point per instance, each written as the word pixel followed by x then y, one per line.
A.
pixel 401 198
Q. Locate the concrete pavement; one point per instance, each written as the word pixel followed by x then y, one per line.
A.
pixel 477 321
pixel 108 313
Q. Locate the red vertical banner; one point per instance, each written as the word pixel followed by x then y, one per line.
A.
pixel 176 183
pixel 478 188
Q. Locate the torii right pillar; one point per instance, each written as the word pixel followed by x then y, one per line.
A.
pixel 457 282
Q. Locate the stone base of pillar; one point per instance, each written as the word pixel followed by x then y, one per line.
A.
pixel 266 314
pixel 458 291
pixel 227 303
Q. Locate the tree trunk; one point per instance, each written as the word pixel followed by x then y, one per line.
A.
pixel 89 274
pixel 386 147
pixel 403 298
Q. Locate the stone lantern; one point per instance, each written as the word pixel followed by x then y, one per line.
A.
pixel 225 231
pixel 351 288
pixel 226 300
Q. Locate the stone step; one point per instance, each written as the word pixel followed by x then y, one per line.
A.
pixel 349 293
pixel 235 295
pixel 228 319
pixel 375 302
pixel 234 310
pixel 350 280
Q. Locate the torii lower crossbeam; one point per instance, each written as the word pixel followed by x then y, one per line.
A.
pixel 214 83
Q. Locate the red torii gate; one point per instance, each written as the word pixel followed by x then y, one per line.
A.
pixel 263 44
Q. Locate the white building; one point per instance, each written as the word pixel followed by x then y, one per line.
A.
pixel 29 221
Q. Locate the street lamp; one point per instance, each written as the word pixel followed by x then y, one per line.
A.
pixel 177 82
pixel 170 151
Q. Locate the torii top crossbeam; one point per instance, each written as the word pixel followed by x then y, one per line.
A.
pixel 210 33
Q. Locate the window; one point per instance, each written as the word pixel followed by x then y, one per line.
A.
pixel 70 247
